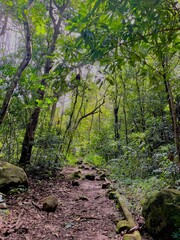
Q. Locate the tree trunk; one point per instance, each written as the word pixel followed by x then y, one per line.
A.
pixel 53 111
pixel 29 138
pixel 68 132
pixel 116 120
pixel 18 73
pixel 172 107
pixel 116 123
pixel 28 141
pixel 124 111
pixel 3 28
pixel 142 118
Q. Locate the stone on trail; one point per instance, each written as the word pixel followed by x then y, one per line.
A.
pixel 162 214
pixel 90 177
pixel 103 176
pixel 112 195
pixel 50 203
pixel 11 176
pixel 76 175
pixel 75 183
pixel 83 198
pixel 106 185
pixel 79 162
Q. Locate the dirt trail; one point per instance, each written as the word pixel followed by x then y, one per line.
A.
pixel 84 212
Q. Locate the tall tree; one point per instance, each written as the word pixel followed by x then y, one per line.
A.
pixel 56 13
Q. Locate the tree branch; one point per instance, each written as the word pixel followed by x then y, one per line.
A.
pixel 19 71
pixel 88 114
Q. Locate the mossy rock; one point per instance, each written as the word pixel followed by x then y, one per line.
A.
pixel 79 162
pixel 122 225
pixel 11 176
pixel 76 175
pixel 162 214
pixel 132 236
pixel 103 176
pixel 112 195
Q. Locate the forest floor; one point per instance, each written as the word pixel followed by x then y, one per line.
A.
pixel 84 212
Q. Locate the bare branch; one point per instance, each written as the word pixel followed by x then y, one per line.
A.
pixel 88 114
pixel 63 7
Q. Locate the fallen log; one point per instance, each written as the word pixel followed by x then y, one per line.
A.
pixel 132 232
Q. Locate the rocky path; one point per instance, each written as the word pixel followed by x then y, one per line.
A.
pixel 84 211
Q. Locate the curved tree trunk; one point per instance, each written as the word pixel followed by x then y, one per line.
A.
pixel 18 73
pixel 28 141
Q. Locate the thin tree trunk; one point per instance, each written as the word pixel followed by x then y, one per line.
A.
pixel 78 120
pixel 172 107
pixel 53 111
pixel 124 111
pixel 116 118
pixel 175 124
pixel 143 124
pixel 90 128
pixel 69 125
pixel 3 29
pixel 94 111
pixel 18 73
pixel 72 113
pixel 116 122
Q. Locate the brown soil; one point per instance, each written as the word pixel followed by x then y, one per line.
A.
pixel 84 212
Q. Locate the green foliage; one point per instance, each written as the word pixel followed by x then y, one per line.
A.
pixel 17 190
pixel 138 190
pixel 176 235
pixel 44 169
pixel 102 144
pixel 71 159
pixel 95 159
pixel 46 149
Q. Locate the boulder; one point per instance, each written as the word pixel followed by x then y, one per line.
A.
pixel 162 214
pixel 11 176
